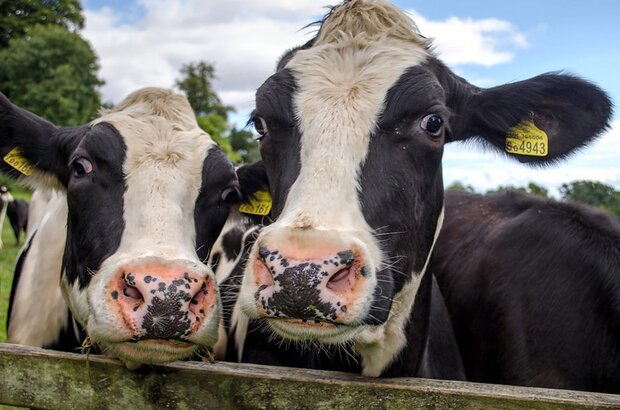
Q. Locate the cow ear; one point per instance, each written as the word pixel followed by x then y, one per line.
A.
pixel 539 120
pixel 252 179
pixel 31 148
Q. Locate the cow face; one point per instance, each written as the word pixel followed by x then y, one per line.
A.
pixel 352 130
pixel 139 180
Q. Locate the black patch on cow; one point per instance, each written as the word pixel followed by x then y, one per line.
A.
pixel 401 183
pixel 165 316
pixel 280 148
pixel 211 210
pixel 299 296
pixel 95 221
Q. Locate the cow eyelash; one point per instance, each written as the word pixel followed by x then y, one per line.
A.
pixel 260 126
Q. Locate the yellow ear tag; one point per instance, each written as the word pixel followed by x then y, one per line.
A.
pixel 14 158
pixel 527 139
pixel 260 204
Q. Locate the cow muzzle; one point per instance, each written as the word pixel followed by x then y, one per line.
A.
pixel 163 312
pixel 307 292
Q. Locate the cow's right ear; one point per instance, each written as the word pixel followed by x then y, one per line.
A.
pixel 255 203
pixel 252 179
pixel 31 148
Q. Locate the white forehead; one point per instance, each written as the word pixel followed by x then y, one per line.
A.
pixel 165 155
pixel 342 81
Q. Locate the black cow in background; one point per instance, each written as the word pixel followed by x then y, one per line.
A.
pixel 16 210
pixel 533 290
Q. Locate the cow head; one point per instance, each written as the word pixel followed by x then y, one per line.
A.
pixel 352 128
pixel 139 180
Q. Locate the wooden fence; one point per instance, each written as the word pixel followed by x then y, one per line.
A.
pixel 39 378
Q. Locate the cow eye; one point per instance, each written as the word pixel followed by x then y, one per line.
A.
pixel 230 195
pixel 82 166
pixel 433 124
pixel 260 126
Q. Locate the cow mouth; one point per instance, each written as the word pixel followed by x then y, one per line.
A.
pixel 320 330
pixel 151 351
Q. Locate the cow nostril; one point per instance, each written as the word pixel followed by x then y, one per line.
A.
pixel 132 292
pixel 338 279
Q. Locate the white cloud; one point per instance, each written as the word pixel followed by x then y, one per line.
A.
pixel 466 41
pixel 244 39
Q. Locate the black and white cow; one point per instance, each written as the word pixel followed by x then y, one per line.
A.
pixel 5 199
pixel 138 181
pixel 17 212
pixel 533 290
pixel 352 128
pixel 37 277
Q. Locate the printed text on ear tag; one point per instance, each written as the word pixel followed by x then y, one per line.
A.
pixel 527 139
pixel 260 204
pixel 14 158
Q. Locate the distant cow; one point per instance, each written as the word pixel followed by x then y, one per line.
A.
pixel 17 212
pixel 533 290
pixel 5 199
pixel 352 128
pixel 147 193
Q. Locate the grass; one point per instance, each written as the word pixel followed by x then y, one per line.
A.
pixel 7 262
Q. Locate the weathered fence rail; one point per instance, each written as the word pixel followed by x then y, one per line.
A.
pixel 44 379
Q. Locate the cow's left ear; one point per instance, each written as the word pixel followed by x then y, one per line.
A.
pixel 31 148
pixel 539 120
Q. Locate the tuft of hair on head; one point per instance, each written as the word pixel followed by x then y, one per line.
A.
pixel 160 102
pixel 370 19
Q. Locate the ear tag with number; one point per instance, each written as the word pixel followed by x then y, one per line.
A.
pixel 260 204
pixel 15 159
pixel 527 139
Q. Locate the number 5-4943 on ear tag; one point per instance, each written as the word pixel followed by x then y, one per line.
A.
pixel 260 204
pixel 527 139
pixel 15 159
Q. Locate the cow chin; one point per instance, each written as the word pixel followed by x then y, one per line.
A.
pixel 322 331
pixel 150 351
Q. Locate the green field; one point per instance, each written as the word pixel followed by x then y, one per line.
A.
pixel 7 263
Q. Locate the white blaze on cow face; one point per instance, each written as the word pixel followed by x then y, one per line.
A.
pixel 341 85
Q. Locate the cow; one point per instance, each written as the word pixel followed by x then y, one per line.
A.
pixel 533 290
pixel 137 182
pixel 352 127
pixel 5 199
pixel 17 211
pixel 37 277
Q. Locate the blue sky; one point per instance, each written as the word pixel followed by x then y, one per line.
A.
pixel 142 43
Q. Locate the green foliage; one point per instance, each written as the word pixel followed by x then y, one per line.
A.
pixel 196 84
pixel 17 17
pixel 53 73
pixel 592 193
pixel 216 126
pixel 245 145
pixel 458 186
pixel 531 189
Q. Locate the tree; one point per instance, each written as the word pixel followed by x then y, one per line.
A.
pixel 458 186
pixel 211 114
pixel 196 84
pixel 592 193
pixel 18 17
pixel 244 143
pixel 53 73
pixel 217 126
pixel 531 189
